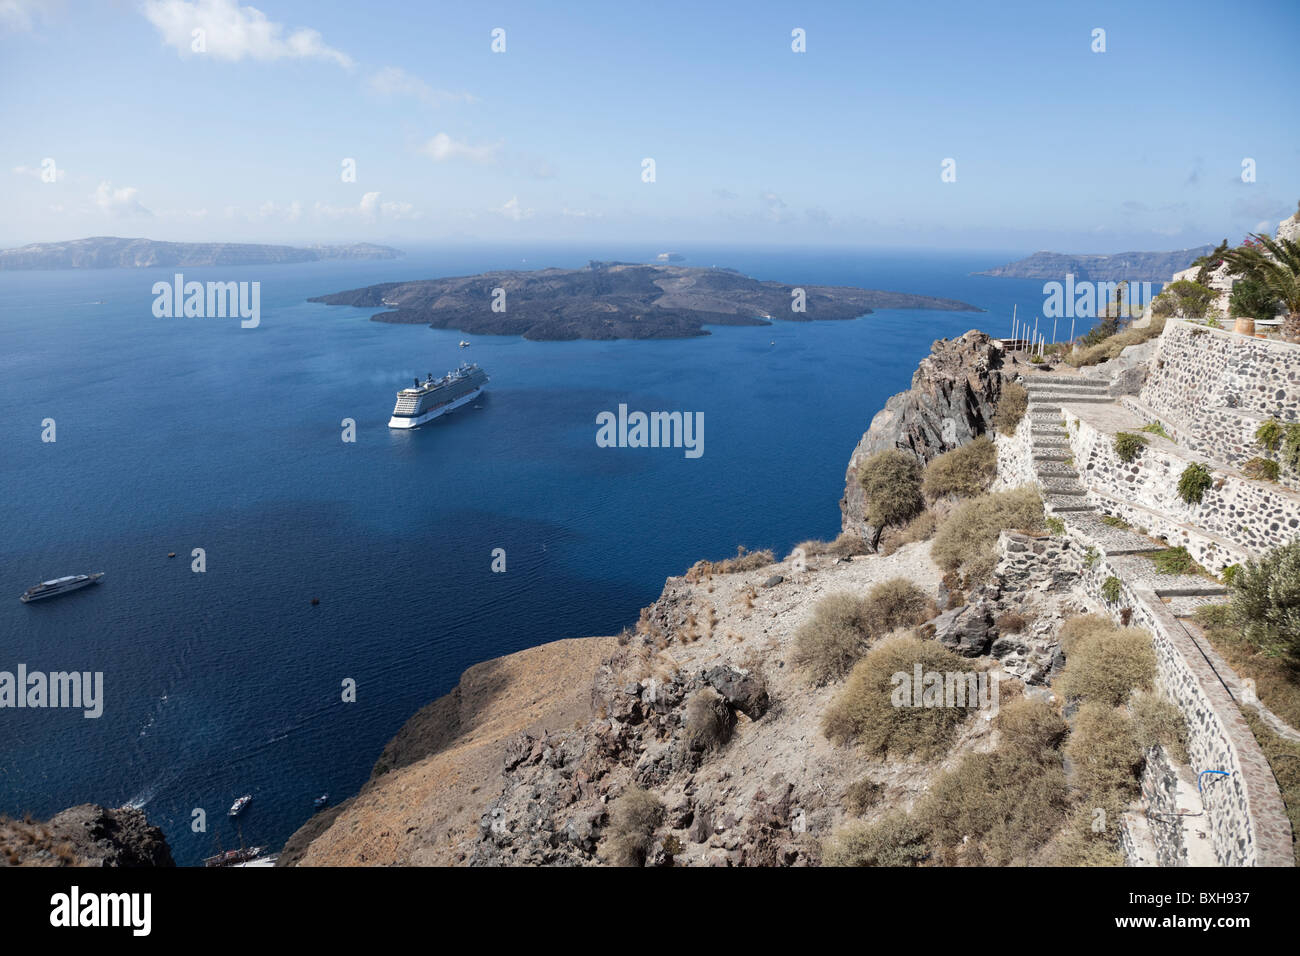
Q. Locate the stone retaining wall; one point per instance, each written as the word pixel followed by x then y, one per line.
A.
pixel 1198 368
pixel 1242 518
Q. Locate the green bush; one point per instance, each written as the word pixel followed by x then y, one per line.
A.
pixel 1112 589
pixel 864 711
pixel 1012 405
pixel 1291 448
pixel 967 541
pixel 1174 561
pixel 897 603
pixel 1184 298
pixel 1194 482
pixel 895 840
pixel 832 640
pixel 1104 663
pixel 1114 521
pixel 1261 469
pixel 891 482
pixel 1127 446
pixel 964 472
pixel 1252 299
pixel 1266 601
pixel 1155 428
pixel 633 817
pixel 1269 435
pixel 1055 525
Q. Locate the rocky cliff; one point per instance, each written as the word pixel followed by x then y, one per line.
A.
pixel 86 835
pixel 954 393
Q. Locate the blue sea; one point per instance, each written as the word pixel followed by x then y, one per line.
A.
pixel 177 434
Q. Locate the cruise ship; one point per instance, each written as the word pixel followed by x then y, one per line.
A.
pixel 425 401
pixel 49 589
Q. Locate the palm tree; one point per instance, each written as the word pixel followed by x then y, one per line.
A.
pixel 1275 265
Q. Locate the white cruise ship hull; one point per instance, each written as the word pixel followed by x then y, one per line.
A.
pixel 403 421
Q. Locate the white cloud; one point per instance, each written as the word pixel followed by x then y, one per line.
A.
pixel 581 214
pixel 19 16
pixel 394 81
pixel 118 203
pixel 442 148
pixel 369 209
pixel 513 211
pixel 232 32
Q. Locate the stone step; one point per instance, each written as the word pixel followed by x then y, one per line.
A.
pixel 1055 469
pixel 1041 442
pixel 1070 385
pixel 1111 540
pixel 1186 606
pixel 1071 398
pixel 1070 503
pixel 1137 571
pixel 1058 453
pixel 1039 380
pixel 1069 487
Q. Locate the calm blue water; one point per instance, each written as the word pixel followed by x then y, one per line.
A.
pixel 174 434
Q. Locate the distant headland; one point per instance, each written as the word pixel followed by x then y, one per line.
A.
pixel 112 252
pixel 618 300
pixel 1133 266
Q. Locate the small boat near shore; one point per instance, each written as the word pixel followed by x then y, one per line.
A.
pixel 320 801
pixel 239 857
pixel 238 806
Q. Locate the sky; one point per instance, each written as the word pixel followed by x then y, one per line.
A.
pixel 960 125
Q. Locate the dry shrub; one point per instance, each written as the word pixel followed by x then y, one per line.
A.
pixel 967 540
pixel 920 528
pixel 862 795
pixel 863 710
pixel 1105 757
pixel 743 561
pixel 1159 721
pixel 1079 844
pixel 633 817
pixel 1104 665
pixel 1011 622
pixel 963 472
pixel 895 840
pixel 891 483
pixel 847 545
pixel 1110 348
pixel 897 603
pixel 828 644
pixel 1012 405
pixel 709 721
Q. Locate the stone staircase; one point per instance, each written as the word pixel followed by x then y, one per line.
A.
pixel 1065 497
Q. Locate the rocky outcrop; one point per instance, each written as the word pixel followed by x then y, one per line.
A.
pixel 85 835
pixel 954 392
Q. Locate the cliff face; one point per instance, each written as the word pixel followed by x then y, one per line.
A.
pixel 954 393
pixel 86 835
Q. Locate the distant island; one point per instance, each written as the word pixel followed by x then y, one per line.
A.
pixel 112 252
pixel 617 300
pixel 1134 266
